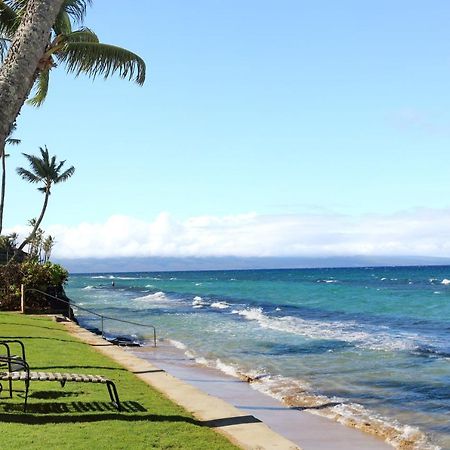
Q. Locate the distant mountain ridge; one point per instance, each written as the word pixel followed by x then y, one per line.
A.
pixel 169 264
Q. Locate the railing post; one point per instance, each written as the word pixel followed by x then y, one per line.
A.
pixel 22 299
pixel 102 328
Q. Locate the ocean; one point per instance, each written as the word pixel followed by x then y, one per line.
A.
pixel 370 347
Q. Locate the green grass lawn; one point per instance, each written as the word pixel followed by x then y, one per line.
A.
pixel 80 415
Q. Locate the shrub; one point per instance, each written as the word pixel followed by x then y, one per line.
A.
pixel 47 277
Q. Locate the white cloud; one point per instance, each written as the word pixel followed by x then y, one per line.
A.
pixel 424 232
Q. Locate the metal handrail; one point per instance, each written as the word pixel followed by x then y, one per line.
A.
pixel 96 314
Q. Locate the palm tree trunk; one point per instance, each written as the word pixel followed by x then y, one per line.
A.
pixel 38 222
pixel 2 193
pixel 19 68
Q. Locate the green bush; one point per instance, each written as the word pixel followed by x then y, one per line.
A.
pixel 48 277
pixel 41 276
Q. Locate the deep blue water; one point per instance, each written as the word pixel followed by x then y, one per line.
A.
pixel 374 340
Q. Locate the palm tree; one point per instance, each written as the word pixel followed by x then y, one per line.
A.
pixel 47 247
pixel 18 71
pixel 9 141
pixel 42 32
pixel 47 171
pixel 80 50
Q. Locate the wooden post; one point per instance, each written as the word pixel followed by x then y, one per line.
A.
pixel 22 298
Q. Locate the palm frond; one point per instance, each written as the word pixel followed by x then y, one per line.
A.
pixel 41 89
pixel 37 165
pixel 9 19
pixel 27 175
pixel 62 23
pixel 76 8
pixel 65 175
pixel 11 141
pixel 82 35
pixel 96 59
pixel 17 5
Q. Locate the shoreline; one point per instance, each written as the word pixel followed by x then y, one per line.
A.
pixel 241 425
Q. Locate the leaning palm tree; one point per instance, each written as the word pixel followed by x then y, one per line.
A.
pixel 80 50
pixel 45 170
pixel 42 33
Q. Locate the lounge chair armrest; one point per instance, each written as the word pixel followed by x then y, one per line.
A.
pixel 6 343
pixel 14 361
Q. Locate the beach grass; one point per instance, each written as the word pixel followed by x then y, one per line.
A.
pixel 80 415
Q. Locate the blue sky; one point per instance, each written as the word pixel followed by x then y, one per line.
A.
pixel 291 110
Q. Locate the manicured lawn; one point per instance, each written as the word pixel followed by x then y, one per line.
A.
pixel 80 415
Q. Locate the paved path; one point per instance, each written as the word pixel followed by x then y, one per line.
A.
pixel 244 422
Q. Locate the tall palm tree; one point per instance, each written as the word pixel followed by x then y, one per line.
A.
pixel 3 155
pixel 41 32
pixel 80 50
pixel 45 170
pixel 18 71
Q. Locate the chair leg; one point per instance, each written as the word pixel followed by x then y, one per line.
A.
pixel 113 395
pixel 27 385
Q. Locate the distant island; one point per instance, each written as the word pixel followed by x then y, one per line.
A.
pixel 156 264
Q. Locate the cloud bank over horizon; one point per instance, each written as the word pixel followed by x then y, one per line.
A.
pixel 424 232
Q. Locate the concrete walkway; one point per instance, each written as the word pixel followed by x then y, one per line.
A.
pixel 246 423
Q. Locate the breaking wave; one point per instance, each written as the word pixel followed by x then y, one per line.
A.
pixel 363 336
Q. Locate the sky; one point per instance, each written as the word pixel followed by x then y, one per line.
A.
pixel 288 128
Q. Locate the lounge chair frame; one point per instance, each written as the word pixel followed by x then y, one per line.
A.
pixel 13 363
pixel 19 370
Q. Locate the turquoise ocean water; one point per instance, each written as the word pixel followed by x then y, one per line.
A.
pixel 372 345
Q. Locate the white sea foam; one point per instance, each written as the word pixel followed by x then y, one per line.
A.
pixel 177 344
pixel 445 281
pixel 156 296
pixel 328 281
pixel 88 288
pixel 198 302
pixel 295 392
pixel 220 305
pixel 364 336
